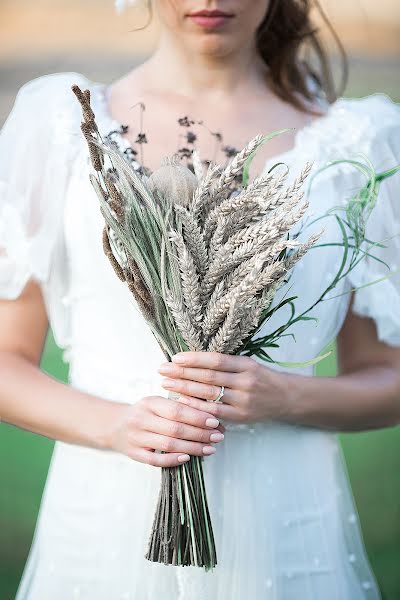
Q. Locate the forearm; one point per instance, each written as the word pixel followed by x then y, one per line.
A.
pixel 33 400
pixel 365 399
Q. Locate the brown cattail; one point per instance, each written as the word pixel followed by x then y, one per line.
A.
pixel 110 255
pixel 95 156
pixel 137 278
pixel 145 308
pixel 84 100
pixel 89 127
pixel 115 201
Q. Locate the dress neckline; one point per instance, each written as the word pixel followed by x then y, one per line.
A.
pixel 314 126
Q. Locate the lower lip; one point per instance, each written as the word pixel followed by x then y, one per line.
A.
pixel 210 22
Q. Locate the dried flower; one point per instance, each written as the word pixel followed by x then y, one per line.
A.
pixel 185 121
pixel 229 151
pixel 191 137
pixel 141 139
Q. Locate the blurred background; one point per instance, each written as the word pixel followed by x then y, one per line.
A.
pixel 45 36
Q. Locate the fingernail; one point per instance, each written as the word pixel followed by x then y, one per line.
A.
pixel 216 437
pixel 209 450
pixel 212 423
pixel 166 368
pixel 178 358
pixel 183 458
pixel 169 383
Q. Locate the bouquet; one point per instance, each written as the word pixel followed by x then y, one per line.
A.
pixel 203 259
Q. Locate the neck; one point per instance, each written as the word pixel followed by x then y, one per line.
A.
pixel 206 76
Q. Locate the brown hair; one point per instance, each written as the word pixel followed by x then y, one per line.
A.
pixel 284 33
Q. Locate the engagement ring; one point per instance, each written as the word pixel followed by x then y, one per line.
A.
pixel 221 393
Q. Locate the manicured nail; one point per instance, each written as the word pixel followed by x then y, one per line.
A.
pixel 183 458
pixel 209 450
pixel 212 422
pixel 166 368
pixel 178 358
pixel 216 437
pixel 168 383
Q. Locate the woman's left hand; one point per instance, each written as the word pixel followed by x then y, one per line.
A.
pixel 253 392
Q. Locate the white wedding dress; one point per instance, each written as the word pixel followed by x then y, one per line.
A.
pixel 284 518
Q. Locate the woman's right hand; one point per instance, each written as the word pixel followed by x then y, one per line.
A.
pixel 159 423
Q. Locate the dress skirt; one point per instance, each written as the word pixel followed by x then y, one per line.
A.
pixel 282 510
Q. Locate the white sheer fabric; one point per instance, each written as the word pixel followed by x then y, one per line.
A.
pixel 285 521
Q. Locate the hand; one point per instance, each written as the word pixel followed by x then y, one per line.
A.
pixel 252 391
pixel 157 423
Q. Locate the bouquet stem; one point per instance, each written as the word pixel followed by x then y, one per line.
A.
pixel 182 531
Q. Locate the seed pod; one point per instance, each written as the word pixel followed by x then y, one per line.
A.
pixel 173 180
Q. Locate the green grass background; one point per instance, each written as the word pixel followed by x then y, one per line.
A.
pixel 372 458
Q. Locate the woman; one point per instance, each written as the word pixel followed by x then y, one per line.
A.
pixel 284 519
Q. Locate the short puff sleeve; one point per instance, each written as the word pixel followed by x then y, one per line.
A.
pixel 381 300
pixel 38 142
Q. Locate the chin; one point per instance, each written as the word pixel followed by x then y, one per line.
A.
pixel 213 44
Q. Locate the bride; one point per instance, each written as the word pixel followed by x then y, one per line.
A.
pixel 284 518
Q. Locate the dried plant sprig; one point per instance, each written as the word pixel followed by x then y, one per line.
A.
pixel 227 286
pixel 271 180
pixel 190 280
pixel 230 256
pixel 252 195
pixel 89 127
pixel 277 201
pixel 235 167
pixel 137 286
pixel 203 191
pixel 84 100
pixel 184 322
pixel 258 279
pixel 230 224
pixel 253 318
pixel 193 237
pixel 116 201
pixel 110 255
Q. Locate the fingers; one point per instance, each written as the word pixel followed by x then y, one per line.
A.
pixel 172 459
pixel 175 429
pixel 218 378
pixel 197 390
pixel 213 360
pixel 219 410
pixel 176 411
pixel 184 431
pixel 156 441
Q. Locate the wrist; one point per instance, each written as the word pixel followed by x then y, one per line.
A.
pixel 292 395
pixel 107 423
